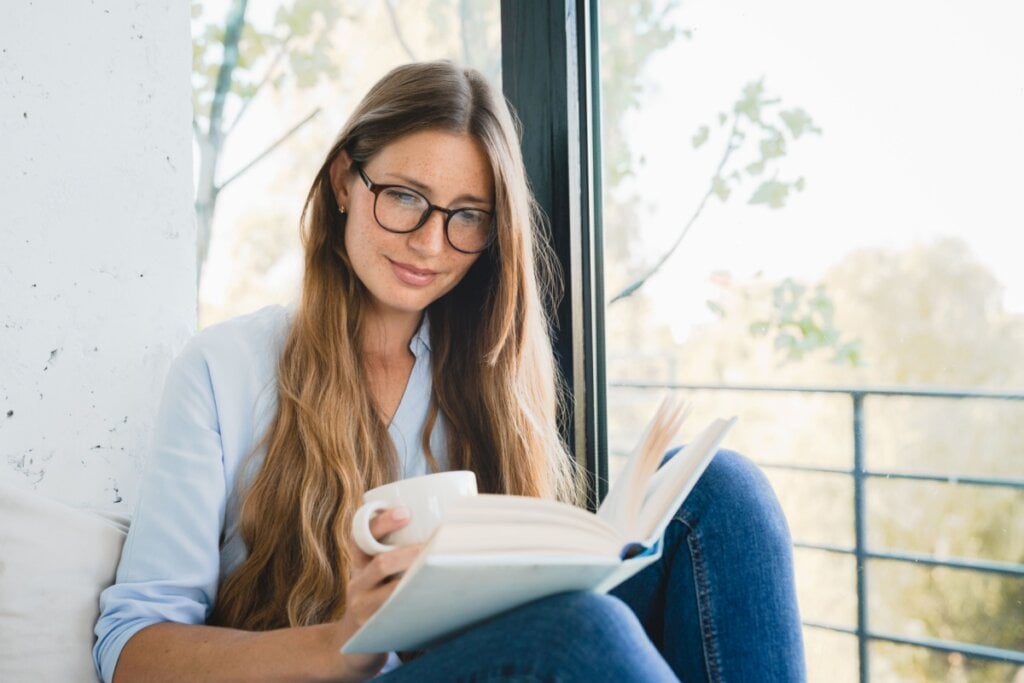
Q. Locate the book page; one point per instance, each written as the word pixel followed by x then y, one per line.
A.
pixel 670 485
pixel 621 506
pixel 524 539
pixel 520 523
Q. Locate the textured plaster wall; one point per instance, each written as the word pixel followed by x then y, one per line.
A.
pixel 97 238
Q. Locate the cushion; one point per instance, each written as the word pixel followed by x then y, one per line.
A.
pixel 54 562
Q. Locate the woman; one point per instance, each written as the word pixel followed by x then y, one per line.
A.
pixel 420 343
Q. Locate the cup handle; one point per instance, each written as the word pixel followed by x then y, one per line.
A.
pixel 361 528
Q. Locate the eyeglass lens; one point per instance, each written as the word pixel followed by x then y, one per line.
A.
pixel 403 210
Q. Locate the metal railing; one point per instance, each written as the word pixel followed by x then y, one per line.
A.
pixel 860 550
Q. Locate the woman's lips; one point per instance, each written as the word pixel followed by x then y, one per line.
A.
pixel 411 275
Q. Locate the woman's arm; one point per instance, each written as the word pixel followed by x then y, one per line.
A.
pixel 179 652
pixel 150 624
pixel 187 652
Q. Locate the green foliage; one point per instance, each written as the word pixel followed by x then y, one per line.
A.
pixel 756 116
pixel 927 316
pixel 701 136
pixel 299 36
pixel 798 122
pixel 771 192
pixel 233 59
pixel 720 188
pixel 802 320
pixel 930 315
pixel 751 101
pixel 798 320
pixel 942 602
pixel 758 138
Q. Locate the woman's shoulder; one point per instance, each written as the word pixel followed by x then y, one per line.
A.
pixel 267 323
pixel 253 340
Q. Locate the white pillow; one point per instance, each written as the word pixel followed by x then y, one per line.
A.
pixel 54 562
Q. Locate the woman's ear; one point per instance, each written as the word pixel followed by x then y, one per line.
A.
pixel 341 173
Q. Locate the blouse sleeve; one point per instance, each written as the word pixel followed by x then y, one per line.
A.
pixel 170 563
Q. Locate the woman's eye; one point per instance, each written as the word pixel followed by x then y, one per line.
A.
pixel 401 196
pixel 471 218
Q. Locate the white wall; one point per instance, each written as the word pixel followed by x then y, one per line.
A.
pixel 97 238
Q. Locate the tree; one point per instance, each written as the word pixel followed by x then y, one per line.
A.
pixel 754 114
pixel 931 315
pixel 754 134
pixel 231 64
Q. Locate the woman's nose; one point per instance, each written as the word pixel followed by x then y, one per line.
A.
pixel 430 239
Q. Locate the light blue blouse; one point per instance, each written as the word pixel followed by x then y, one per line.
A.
pixel 219 399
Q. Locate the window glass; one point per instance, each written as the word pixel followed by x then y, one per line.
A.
pixel 802 194
pixel 302 67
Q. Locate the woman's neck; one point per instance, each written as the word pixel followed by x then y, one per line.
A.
pixel 387 336
pixel 388 360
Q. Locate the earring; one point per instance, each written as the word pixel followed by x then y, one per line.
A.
pixel 341 210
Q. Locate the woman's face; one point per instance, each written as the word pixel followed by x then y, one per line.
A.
pixel 405 273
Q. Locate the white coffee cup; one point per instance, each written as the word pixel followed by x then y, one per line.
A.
pixel 426 497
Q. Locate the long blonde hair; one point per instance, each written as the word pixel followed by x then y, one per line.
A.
pixel 494 377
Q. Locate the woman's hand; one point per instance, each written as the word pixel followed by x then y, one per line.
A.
pixel 190 652
pixel 371 582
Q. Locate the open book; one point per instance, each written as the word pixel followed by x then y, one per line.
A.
pixel 492 553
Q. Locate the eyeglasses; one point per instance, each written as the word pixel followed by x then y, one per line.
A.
pixel 402 210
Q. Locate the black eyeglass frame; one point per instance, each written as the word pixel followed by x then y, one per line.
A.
pixel 377 188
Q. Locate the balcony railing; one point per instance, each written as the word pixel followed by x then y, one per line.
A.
pixel 860 550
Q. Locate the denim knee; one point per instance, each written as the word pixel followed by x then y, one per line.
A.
pixel 590 631
pixel 734 494
pixel 591 617
pixel 565 638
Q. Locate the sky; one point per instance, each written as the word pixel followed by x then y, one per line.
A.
pixel 921 106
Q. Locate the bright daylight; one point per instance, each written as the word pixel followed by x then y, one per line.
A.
pixel 583 340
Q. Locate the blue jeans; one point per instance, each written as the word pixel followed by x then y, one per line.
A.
pixel 719 605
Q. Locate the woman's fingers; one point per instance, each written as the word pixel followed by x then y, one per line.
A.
pixel 384 568
pixel 388 521
pixel 371 585
pixel 381 524
pixel 374 577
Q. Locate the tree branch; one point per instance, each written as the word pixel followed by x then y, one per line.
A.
pixel 232 34
pixel 270 149
pixel 630 289
pixel 398 31
pixel 281 52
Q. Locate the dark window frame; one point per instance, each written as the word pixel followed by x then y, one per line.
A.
pixel 550 76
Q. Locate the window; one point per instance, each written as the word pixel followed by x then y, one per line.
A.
pixel 799 196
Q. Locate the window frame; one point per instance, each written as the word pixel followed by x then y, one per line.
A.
pixel 550 76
